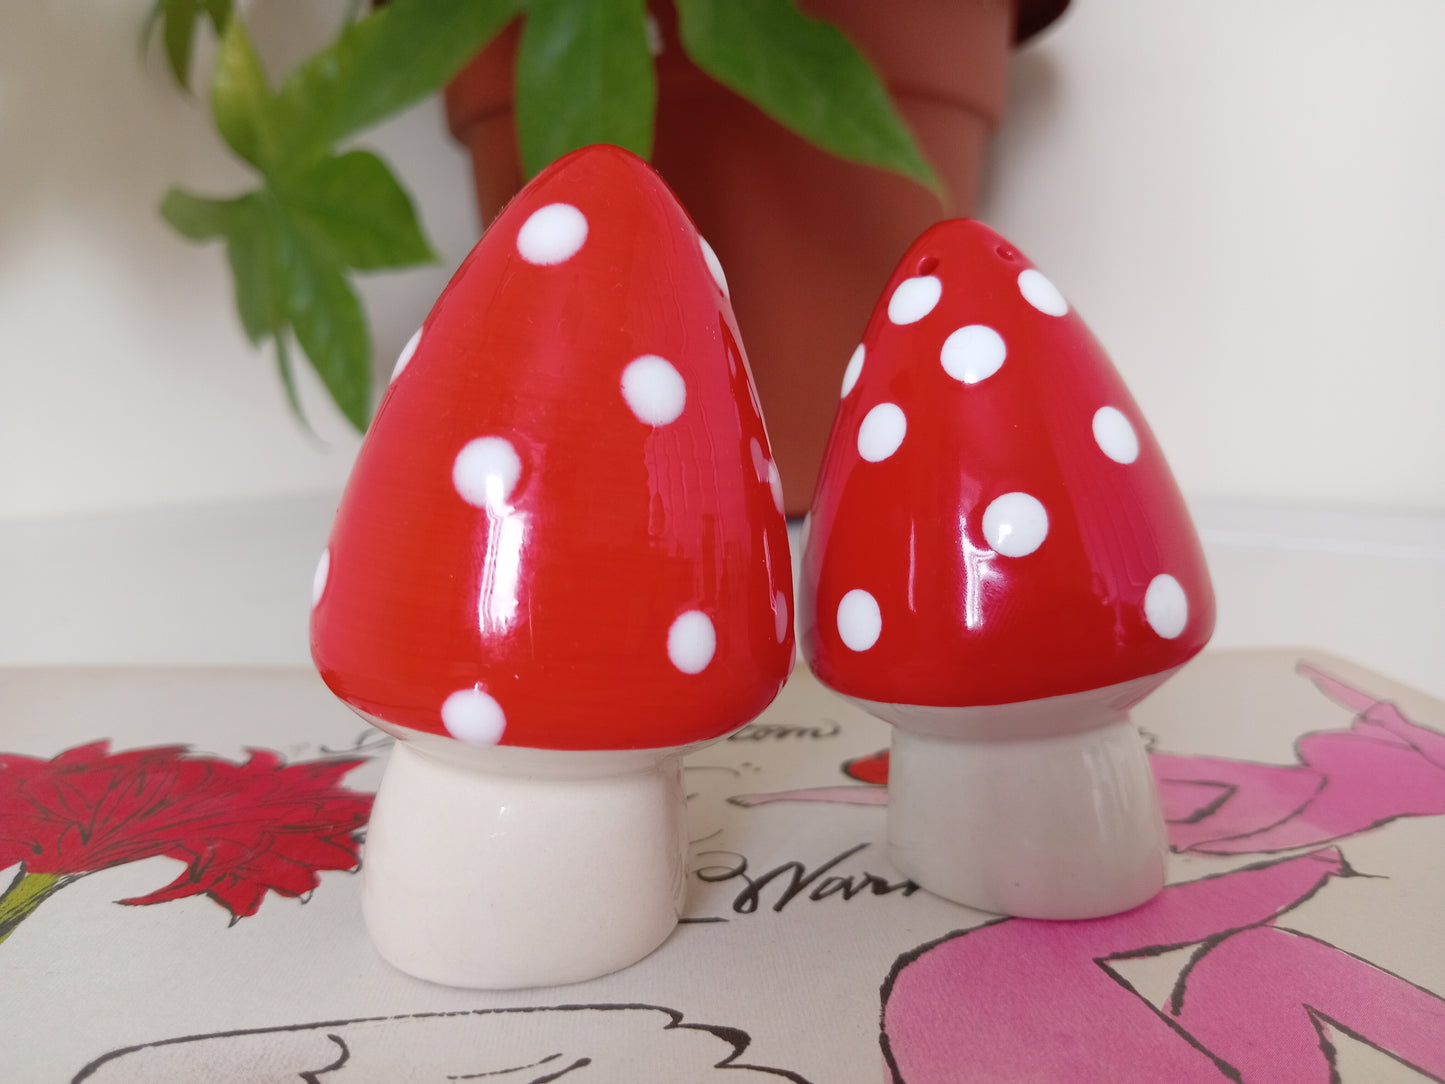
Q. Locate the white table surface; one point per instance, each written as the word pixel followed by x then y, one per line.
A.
pixel 230 584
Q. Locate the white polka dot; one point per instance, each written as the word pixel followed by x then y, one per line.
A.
pixel 654 34
pixel 1041 293
pixel 973 353
pixel 881 432
pixel 1015 524
pixel 860 622
pixel 472 716
pixel 406 352
pixel 1115 436
pixel 854 370
pixel 485 471
pixel 691 642
pixel 552 235
pixel 1165 606
pixel 775 480
pixel 714 265
pixel 780 615
pixel 914 299
pixel 318 580
pixel 654 390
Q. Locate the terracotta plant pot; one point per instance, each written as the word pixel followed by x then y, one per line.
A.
pixel 807 240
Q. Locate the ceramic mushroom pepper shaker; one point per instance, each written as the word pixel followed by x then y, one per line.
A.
pixel 999 563
pixel 558 565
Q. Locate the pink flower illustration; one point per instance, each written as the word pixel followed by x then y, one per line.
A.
pixel 1020 999
pixel 1379 769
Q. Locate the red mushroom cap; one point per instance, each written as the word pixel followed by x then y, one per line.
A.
pixel 560 531
pixel 994 521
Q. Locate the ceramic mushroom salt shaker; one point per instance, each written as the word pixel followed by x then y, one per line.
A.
pixel 999 563
pixel 558 565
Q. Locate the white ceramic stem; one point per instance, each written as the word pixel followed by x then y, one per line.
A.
pixel 524 867
pixel 1063 826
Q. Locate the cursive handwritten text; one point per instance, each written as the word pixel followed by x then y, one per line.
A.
pixel 793 880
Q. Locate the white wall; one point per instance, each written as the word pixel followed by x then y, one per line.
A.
pixel 1246 200
pixel 126 378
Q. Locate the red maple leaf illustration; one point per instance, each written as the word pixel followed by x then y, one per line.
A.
pixel 241 829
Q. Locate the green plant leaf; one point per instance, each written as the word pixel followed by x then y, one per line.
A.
pixel 252 249
pixel 250 229
pixel 330 327
pixel 353 204
pixel 199 218
pixel 178 20
pixel 287 280
pixel 178 28
pixel 288 383
pixel 380 64
pixel 584 75
pixel 241 100
pixel 317 213
pixel 805 75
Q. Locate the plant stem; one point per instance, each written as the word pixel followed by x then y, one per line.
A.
pixel 27 892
